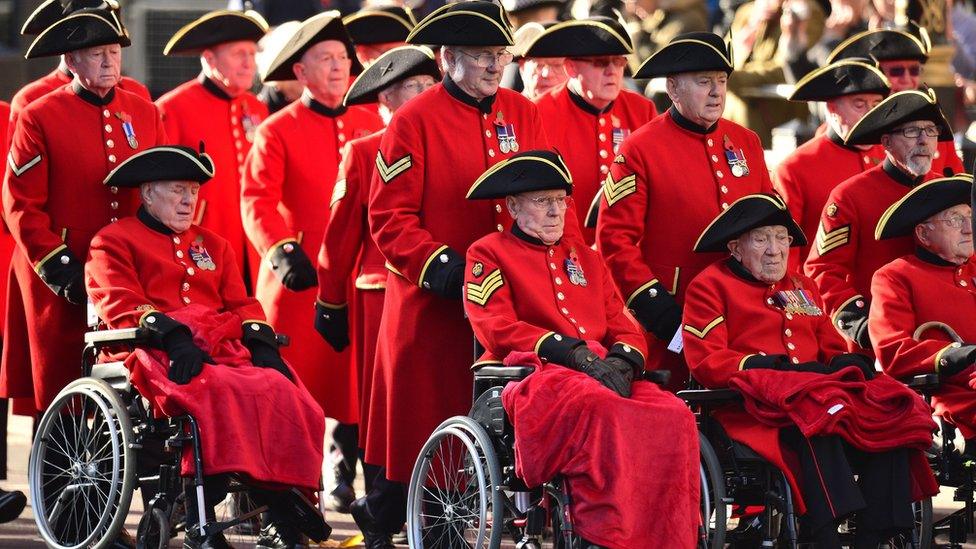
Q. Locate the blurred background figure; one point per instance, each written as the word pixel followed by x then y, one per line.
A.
pixel 276 94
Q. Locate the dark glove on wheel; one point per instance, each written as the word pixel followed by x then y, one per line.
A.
pixel 582 359
pixel 333 325
pixel 185 358
pixel 292 267
pixel 266 356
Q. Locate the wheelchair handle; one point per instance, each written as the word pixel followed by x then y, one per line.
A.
pixel 934 324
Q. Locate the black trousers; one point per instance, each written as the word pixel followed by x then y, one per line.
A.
pixel 386 502
pixel 345 440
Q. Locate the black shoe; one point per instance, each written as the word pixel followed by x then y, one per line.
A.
pixel 11 505
pixel 342 497
pixel 373 536
pixel 216 541
pixel 279 537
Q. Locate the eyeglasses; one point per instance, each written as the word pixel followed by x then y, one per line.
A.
pixel 544 203
pixel 486 59
pixel 618 62
pixel 899 70
pixel 761 241
pixel 956 221
pixel 913 132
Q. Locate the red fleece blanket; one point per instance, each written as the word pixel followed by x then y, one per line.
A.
pixel 876 415
pixel 631 465
pixel 253 421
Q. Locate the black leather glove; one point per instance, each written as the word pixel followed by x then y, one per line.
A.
pixel 956 358
pixel 292 267
pixel 767 362
pixel 811 366
pixel 657 311
pixel 266 356
pixel 65 276
pixel 454 287
pixel 863 363
pixel 185 358
pixel 624 369
pixel 333 325
pixel 852 321
pixel 582 359
pixel 74 291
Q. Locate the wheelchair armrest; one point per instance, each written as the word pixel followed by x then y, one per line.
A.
pixel 102 338
pixel 506 373
pixel 924 382
pixel 709 396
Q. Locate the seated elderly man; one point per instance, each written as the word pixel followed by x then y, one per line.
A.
pixel 534 297
pixel 936 284
pixel 817 413
pixel 211 354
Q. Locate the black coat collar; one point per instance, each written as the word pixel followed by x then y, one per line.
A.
pixel 838 140
pixel 483 106
pixel 526 237
pixel 898 175
pixel 319 108
pixel 739 270
pixel 931 258
pixel 92 97
pixel 212 87
pixel 586 107
pixel 149 221
pixel 680 120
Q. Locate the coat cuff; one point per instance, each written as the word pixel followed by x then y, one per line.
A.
pixel 770 362
pixel 436 273
pixel 159 326
pixel 556 348
pixel 628 353
pixel 258 331
pixel 648 302
pixel 57 268
pixel 850 315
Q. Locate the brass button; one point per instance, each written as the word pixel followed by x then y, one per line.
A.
pixel 179 254
pixel 190 271
pixel 498 208
pixel 491 153
pixel 186 286
pixel 110 143
pixel 113 189
pixel 114 205
pixel 108 128
pixel 111 158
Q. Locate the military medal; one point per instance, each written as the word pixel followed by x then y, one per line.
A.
pixel 574 270
pixel 736 159
pixel 201 256
pixel 249 126
pixel 797 302
pixel 506 135
pixel 127 129
pixel 619 134
pixel 502 133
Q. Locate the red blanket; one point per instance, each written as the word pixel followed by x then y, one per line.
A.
pixel 877 415
pixel 631 465
pixel 253 421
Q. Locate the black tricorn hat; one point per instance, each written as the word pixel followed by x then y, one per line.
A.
pixel 840 78
pixel 393 66
pixel 515 6
pixel 921 203
pixel 51 11
pixel 472 23
pixel 884 45
pixel 216 27
pixel 85 28
pixel 689 52
pixel 380 25
pixel 315 29
pixel 744 215
pixel 582 38
pixel 538 170
pixel 895 110
pixel 165 163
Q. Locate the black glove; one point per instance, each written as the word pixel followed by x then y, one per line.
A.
pixel 624 369
pixel 582 359
pixel 852 321
pixel 657 311
pixel 955 359
pixel 74 291
pixel 454 287
pixel 266 356
pixel 333 325
pixel 767 362
pixel 65 276
pixel 185 358
pixel 811 367
pixel 863 363
pixel 292 267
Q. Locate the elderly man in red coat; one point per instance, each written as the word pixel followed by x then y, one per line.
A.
pixel 814 411
pixel 845 254
pixel 435 147
pixel 211 352
pixel 587 353
pixel 589 117
pixel 932 290
pixel 219 109
pixel 669 179
pixel 53 200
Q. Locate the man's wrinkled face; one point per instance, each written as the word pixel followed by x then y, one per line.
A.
pixel 171 202
pixel 845 111
pixel 477 70
pixel 763 251
pixel 401 92
pixel 599 79
pixel 699 96
pixel 903 75
pixel 324 70
pixel 232 64
pixel 912 145
pixel 98 68
pixel 541 214
pixel 948 234
pixel 541 74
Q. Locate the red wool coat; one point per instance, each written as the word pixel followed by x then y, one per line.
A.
pixel 909 292
pixel 422 224
pixel 197 111
pixel 588 139
pixel 6 239
pixel 54 202
pixel 945 156
pixel 349 253
pixel 669 181
pixel 805 178
pixel 289 176
pixel 844 254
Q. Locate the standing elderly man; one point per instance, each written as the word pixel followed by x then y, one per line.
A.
pixel 588 354
pixel 348 249
pixel 752 325
pixel 219 109
pixel 935 284
pixel 849 89
pixel 668 181
pixel 54 202
pixel 290 174
pixel 538 75
pixel 845 254
pixel 588 118
pixel 435 147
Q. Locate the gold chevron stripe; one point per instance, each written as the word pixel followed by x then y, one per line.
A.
pixel 479 293
pixel 390 171
pixel 827 241
pixel 617 190
pixel 704 331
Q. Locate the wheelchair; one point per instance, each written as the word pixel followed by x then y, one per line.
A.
pixel 747 502
pixel 84 463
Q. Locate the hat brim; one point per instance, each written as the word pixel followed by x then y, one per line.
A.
pixel 579 39
pixel 377 27
pixel 845 77
pixel 161 164
pixel 895 110
pixel 319 28
pixel 450 25
pixel 921 203
pixel 883 45
pixel 214 28
pixel 393 66
pixel 685 55
pixel 78 31
pixel 526 172
pixel 42 17
pixel 744 215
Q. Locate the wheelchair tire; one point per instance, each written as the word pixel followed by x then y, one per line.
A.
pixel 154 530
pixel 714 508
pixel 82 469
pixel 452 498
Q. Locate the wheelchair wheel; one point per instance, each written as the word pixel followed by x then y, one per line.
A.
pixel 714 505
pixel 452 500
pixel 921 535
pixel 239 502
pixel 154 530
pixel 82 468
